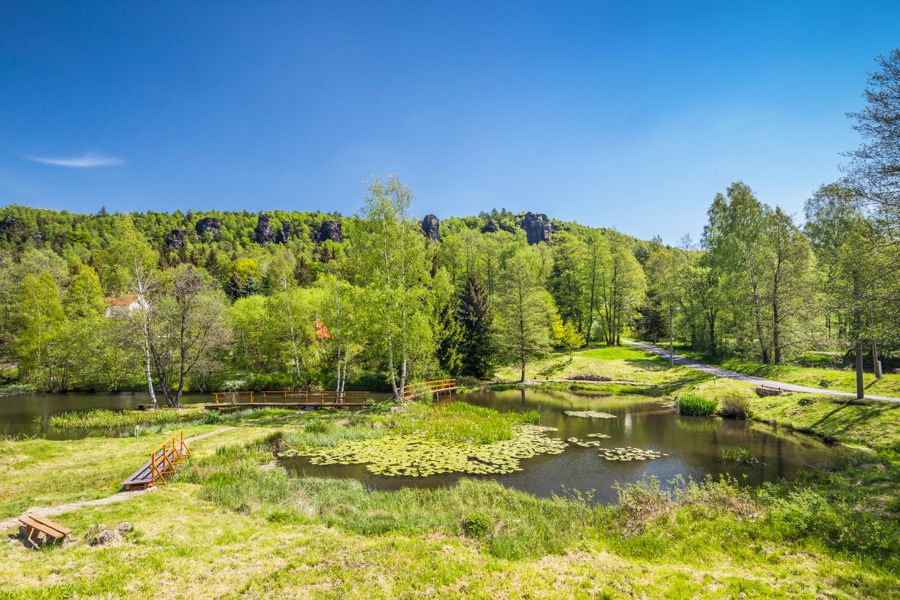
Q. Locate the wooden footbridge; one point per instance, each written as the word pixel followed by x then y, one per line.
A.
pixel 436 387
pixel 288 399
pixel 163 460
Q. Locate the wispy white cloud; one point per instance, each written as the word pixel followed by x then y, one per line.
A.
pixel 89 160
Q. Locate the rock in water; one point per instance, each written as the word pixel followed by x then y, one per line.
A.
pixel 329 230
pixel 264 233
pixel 537 227
pixel 175 239
pixel 431 227
pixel 209 225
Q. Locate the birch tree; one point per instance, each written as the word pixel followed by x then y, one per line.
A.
pixel 395 272
pixel 130 267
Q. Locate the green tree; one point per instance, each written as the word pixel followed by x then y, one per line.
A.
pixel 596 260
pixel 622 288
pixel 191 327
pixel 736 239
pixel 395 272
pixel 129 265
pixel 476 320
pixel 566 278
pixel 875 168
pixel 855 258
pixel 565 335
pixel 84 297
pixel 338 311
pixel 249 327
pixel 449 342
pixel 524 309
pixel 40 337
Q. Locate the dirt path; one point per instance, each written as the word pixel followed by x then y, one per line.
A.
pixel 59 509
pixel 720 372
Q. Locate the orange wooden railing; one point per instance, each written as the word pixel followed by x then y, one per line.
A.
pixel 234 397
pixel 323 397
pixel 164 457
pixel 428 387
pixel 291 396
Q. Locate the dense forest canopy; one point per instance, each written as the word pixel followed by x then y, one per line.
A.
pixel 230 300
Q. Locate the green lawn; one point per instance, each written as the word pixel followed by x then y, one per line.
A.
pixel 842 380
pixel 234 525
pixel 625 363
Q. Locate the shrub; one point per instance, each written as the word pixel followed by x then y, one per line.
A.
pixel 736 407
pixel 692 405
pixel 476 525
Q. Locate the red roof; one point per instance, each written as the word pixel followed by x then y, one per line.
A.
pixel 322 331
pixel 121 300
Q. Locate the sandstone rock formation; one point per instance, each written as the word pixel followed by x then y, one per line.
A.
pixel 329 230
pixel 490 227
pixel 431 227
pixel 264 233
pixel 284 234
pixel 209 225
pixel 537 227
pixel 175 239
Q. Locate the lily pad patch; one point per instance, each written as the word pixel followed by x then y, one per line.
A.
pixel 589 414
pixel 630 454
pixel 418 456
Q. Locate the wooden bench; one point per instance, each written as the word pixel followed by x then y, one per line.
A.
pixel 37 531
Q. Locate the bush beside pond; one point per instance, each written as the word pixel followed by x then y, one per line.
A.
pixel 691 405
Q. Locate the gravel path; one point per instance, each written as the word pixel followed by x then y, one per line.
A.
pixel 720 372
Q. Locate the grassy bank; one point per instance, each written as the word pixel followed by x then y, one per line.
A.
pixel 625 363
pixel 271 536
pixel 234 524
pixel 842 380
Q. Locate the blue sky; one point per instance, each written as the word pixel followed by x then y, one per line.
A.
pixel 629 115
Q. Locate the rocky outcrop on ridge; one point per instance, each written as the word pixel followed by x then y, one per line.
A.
pixel 537 227
pixel 431 227
pixel 209 225
pixel 329 230
pixel 264 233
pixel 175 239
pixel 284 234
pixel 490 227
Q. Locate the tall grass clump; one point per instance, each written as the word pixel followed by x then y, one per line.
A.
pixel 108 419
pixel 460 422
pixel 691 405
pixel 736 407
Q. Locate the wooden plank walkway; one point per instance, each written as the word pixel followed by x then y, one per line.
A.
pixel 143 477
pixel 438 386
pixel 290 405
pixel 163 460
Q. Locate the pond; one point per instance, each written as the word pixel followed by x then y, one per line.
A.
pixel 693 445
pixel 28 414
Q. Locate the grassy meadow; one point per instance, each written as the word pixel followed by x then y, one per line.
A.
pixel 233 524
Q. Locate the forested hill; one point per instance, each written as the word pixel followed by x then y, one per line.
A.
pixel 223 241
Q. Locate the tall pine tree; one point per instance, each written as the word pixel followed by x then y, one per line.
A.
pixel 476 318
pixel 450 338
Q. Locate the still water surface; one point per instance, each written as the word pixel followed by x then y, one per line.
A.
pixel 27 414
pixel 694 446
